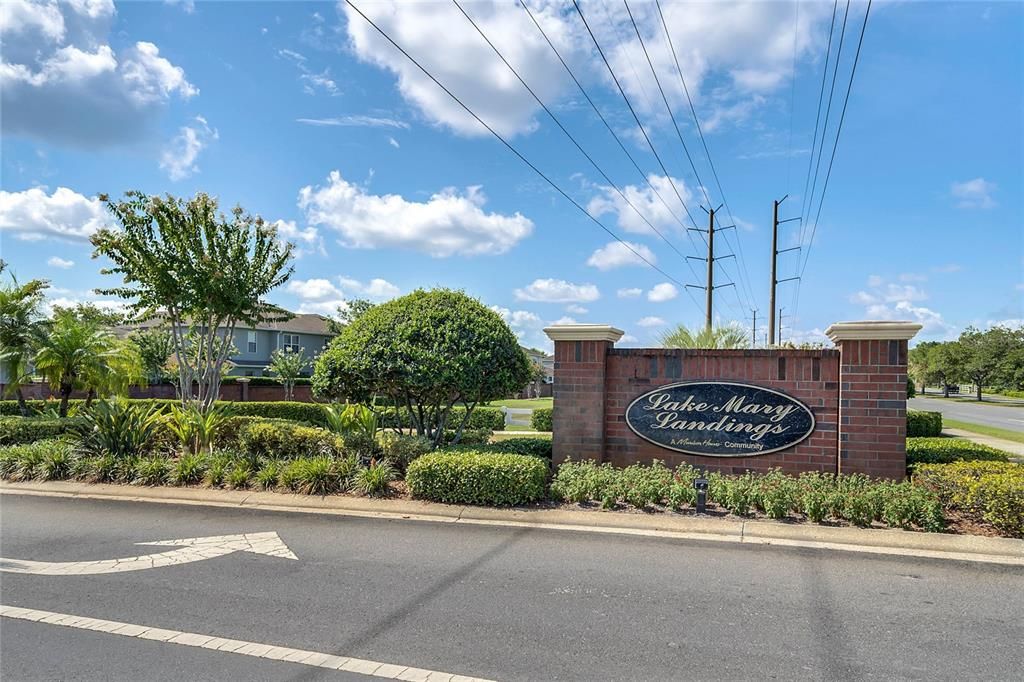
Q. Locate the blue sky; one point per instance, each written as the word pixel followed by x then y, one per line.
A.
pixel 301 113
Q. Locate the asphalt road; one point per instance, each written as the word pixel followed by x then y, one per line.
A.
pixel 494 602
pixel 1000 416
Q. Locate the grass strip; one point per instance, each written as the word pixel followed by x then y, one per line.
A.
pixel 993 431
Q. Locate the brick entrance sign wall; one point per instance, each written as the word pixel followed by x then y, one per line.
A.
pixel 857 393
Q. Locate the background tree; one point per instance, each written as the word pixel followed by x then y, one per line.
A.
pixel 287 366
pixel 427 351
pixel 77 353
pixel 348 313
pixel 537 376
pixel 921 362
pixel 21 323
pixel 985 353
pixel 727 336
pixel 155 347
pixel 201 271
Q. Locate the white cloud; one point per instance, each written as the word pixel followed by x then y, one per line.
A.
pixel 356 121
pixel 313 82
pixel 651 321
pixel 888 301
pixel 58 262
pixel 449 223
pixel 320 289
pixel 57 58
pixel 394 143
pixel 518 319
pixel 628 340
pixel 659 205
pixel 631 292
pixel 305 240
pixel 33 214
pixel 576 309
pixel 618 254
pixel 564 320
pixel 662 292
pixel 464 62
pixel 557 291
pixel 179 157
pixel 376 289
pixel 976 193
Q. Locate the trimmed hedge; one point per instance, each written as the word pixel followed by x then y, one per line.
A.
pixel 481 419
pixel 534 447
pixel 540 420
pixel 992 490
pixel 923 424
pixel 473 477
pixel 19 430
pixel 311 413
pixel 945 450
pixel 283 440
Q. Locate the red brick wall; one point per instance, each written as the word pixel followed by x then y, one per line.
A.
pixel 873 408
pixel 812 377
pixel 856 392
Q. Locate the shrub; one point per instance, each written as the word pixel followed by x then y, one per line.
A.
pixel 310 413
pixel 313 476
pixel 642 486
pixel 945 450
pixel 403 450
pixel 477 478
pixel 535 447
pixel 20 430
pixel 45 460
pixel 858 508
pixel 681 494
pixel 911 390
pixel 540 420
pixel 152 471
pixel 117 427
pixel 988 491
pixel 923 424
pixel 777 494
pixel 280 440
pixel 197 431
pixel 189 469
pixel 238 475
pixel 468 437
pixel 217 466
pixel 268 475
pixel 584 481
pixel 375 479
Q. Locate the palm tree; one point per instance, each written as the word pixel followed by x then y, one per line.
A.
pixel 20 328
pixel 727 336
pixel 78 353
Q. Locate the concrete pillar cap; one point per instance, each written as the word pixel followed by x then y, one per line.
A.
pixel 583 332
pixel 873 330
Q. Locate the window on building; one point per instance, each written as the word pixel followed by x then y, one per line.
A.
pixel 251 342
pixel 291 343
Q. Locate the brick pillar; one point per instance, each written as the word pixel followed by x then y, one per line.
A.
pixel 579 390
pixel 873 396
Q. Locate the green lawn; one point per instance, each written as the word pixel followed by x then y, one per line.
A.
pixel 529 403
pixel 511 434
pixel 995 432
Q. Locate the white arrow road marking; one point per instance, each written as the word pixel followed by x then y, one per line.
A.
pixel 190 549
pixel 389 671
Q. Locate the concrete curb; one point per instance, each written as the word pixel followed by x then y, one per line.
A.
pixel 1005 551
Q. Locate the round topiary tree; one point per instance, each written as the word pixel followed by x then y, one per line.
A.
pixel 427 352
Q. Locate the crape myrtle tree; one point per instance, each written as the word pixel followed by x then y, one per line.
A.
pixel 427 352
pixel 199 271
pixel 287 366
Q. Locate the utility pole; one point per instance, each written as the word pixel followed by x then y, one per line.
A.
pixel 753 331
pixel 779 341
pixel 710 290
pixel 709 287
pixel 773 337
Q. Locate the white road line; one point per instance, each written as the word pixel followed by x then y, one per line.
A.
pixel 191 549
pixel 316 659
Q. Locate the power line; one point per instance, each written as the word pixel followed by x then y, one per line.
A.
pixel 633 112
pixel 839 130
pixel 505 142
pixel 792 97
pixel 817 119
pixel 744 276
pixel 565 130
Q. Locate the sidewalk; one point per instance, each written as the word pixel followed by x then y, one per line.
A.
pixel 1006 551
pixel 1016 450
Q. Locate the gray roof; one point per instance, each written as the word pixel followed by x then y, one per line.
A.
pixel 302 323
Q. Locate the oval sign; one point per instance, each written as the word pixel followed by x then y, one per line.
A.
pixel 720 419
